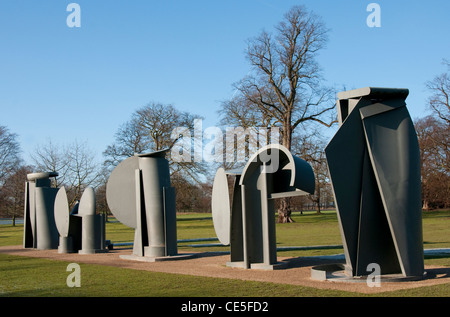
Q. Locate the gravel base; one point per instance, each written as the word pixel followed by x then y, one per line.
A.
pixel 296 271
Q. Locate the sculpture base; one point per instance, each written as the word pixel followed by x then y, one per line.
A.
pixel 66 245
pixel 259 266
pixel 337 272
pixel 154 251
pixel 93 251
pixel 63 250
pixel 133 257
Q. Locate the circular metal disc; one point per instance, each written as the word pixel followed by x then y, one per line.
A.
pixel 220 205
pixel 62 212
pixel 121 191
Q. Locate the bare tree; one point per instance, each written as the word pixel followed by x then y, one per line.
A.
pixel 192 197
pixel 130 139
pixel 9 153
pixel 75 163
pixel 50 157
pixel 12 193
pixel 440 89
pixel 434 136
pixel 285 87
pixel 83 170
pixel 312 149
pixel 151 129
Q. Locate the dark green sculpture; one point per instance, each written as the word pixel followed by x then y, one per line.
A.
pixel 374 164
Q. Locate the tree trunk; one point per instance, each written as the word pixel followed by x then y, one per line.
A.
pixel 318 198
pixel 318 208
pixel 284 210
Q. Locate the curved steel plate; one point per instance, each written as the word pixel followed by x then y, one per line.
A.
pixel 87 203
pixel 62 212
pixel 220 205
pixel 121 191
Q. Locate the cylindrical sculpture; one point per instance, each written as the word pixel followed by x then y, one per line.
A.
pixel 140 196
pixel 40 230
pixel 89 223
pixel 155 177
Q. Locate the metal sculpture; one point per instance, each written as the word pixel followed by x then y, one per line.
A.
pixel 81 230
pixel 247 224
pixel 40 230
pixel 139 195
pixel 374 164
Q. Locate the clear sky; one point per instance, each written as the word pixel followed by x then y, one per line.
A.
pixel 63 83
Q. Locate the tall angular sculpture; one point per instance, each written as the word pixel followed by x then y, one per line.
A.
pixel 374 164
pixel 40 230
pixel 140 196
pixel 81 230
pixel 247 224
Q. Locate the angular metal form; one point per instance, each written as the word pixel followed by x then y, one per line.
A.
pixel 248 222
pixel 374 165
pixel 139 194
pixel 40 230
pixel 81 230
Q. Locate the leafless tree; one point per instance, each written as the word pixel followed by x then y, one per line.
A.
pixel 192 197
pixel 83 169
pixel 312 149
pixel 434 136
pixel 50 157
pixel 285 87
pixel 440 90
pixel 130 139
pixel 154 127
pixel 9 153
pixel 75 163
pixel 151 129
pixel 12 193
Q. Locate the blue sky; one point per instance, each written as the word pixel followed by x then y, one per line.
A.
pixel 62 83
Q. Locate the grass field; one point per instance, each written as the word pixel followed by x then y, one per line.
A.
pixel 30 277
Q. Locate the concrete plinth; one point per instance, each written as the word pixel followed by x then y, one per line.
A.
pixel 258 266
pixel 133 257
pixel 337 273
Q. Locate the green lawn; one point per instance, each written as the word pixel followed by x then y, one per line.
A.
pixel 22 276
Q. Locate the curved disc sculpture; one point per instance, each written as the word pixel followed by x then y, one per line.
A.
pixel 121 191
pixel 220 206
pixel 62 214
pixel 248 225
pixel 140 196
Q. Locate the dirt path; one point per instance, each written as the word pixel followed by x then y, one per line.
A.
pixel 297 272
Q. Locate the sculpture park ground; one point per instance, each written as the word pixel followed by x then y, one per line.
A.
pixel 39 273
pixel 375 174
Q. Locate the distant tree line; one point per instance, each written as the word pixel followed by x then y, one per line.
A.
pixel 434 139
pixel 283 90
